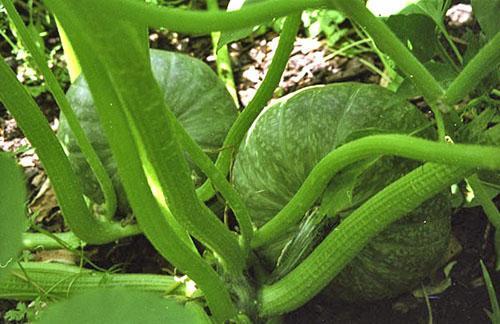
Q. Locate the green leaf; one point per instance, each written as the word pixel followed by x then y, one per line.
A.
pixel 326 22
pixel 310 233
pixel 35 35
pixel 477 130
pixel 486 12
pixel 444 74
pixel 236 35
pixel 435 9
pixel 338 195
pixel 492 135
pixel 417 31
pixel 120 306
pixel 12 218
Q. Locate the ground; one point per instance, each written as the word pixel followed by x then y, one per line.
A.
pixel 463 302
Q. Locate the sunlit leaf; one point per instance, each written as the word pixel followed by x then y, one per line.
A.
pixel 12 219
pixel 120 306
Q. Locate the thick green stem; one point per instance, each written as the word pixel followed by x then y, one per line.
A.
pixel 260 99
pixel 354 233
pixel 54 87
pixel 469 156
pixel 90 34
pixel 205 22
pixel 390 44
pixel 52 280
pixel 32 241
pixel 153 125
pixel 68 191
pixel 220 182
pixel 486 61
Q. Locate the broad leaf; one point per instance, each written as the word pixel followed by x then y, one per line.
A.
pixel 416 31
pixel 12 218
pixel 120 306
pixel 435 9
pixel 416 23
pixel 486 12
pixel 492 135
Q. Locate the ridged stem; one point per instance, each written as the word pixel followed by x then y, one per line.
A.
pixel 220 182
pixel 354 233
pixel 32 241
pixel 467 156
pixel 51 280
pixel 72 65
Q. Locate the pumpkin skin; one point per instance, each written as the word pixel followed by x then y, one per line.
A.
pixel 197 97
pixel 292 135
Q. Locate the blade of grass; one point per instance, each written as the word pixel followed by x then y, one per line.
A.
pixel 489 209
pixel 495 308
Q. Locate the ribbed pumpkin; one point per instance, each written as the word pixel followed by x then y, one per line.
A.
pixel 198 98
pixel 293 134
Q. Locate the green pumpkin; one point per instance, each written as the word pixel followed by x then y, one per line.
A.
pixel 196 95
pixel 291 136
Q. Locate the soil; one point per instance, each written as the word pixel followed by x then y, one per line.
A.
pixel 463 302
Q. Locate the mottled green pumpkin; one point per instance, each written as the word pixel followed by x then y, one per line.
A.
pixel 292 135
pixel 197 97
